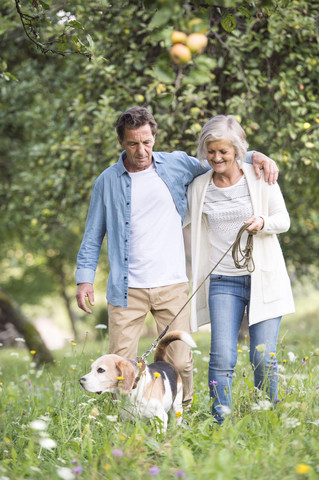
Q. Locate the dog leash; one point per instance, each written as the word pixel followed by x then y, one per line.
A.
pixel 243 258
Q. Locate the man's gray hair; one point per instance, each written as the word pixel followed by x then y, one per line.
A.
pixel 135 117
pixel 223 127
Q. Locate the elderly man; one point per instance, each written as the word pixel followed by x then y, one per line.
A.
pixel 140 204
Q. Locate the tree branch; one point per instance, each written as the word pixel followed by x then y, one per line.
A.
pixel 28 24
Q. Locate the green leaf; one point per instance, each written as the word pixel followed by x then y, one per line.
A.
pixel 62 44
pixel 91 42
pixel 187 456
pixel 76 24
pixel 44 5
pixel 197 77
pixel 160 18
pixel 9 76
pixel 228 22
pixel 165 100
pixel 163 73
pixel 244 11
pixel 205 62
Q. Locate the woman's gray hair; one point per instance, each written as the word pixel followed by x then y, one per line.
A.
pixel 223 127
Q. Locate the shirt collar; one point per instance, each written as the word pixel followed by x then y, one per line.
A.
pixel 120 164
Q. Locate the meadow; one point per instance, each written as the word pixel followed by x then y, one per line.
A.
pixel 53 429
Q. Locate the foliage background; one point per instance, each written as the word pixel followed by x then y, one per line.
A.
pixel 57 115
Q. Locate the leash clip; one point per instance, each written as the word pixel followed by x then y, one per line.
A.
pixel 148 352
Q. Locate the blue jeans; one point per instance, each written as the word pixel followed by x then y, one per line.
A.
pixel 228 297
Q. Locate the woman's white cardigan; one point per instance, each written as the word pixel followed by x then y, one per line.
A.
pixel 271 294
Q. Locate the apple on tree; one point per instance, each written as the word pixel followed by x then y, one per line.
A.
pixel 180 54
pixel 197 42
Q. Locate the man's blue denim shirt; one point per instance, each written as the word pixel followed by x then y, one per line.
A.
pixel 110 214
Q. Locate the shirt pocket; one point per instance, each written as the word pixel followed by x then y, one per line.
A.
pixel 272 288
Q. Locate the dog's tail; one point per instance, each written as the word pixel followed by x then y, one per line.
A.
pixel 160 352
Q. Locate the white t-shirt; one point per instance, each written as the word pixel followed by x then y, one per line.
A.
pixel 157 254
pixel 225 211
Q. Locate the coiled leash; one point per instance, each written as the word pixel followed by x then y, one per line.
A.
pixel 242 259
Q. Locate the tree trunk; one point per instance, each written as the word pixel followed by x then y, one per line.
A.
pixel 11 313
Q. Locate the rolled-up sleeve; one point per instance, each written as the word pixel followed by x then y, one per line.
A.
pixel 95 230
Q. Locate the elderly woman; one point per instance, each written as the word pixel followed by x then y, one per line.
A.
pixel 219 203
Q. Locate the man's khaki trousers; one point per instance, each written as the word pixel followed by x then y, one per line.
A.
pixel 126 324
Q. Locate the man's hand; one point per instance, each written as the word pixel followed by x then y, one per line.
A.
pixel 85 290
pixel 261 161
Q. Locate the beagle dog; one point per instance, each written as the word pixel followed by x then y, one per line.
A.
pixel 152 390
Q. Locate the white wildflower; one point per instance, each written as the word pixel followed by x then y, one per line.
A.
pixel 265 404
pixel 38 425
pixel 197 352
pixel 65 473
pixel 292 357
pixel 226 410
pixel 291 422
pixel 101 326
pixel 299 377
pixel 77 439
pixel 20 340
pixel 14 354
pixel 262 405
pixel 57 386
pixel 205 359
pixel 47 443
pixel 35 469
pixel 291 405
pixel 112 418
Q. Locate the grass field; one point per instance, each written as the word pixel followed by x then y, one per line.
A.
pixel 52 429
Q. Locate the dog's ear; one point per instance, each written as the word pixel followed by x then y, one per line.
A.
pixel 126 376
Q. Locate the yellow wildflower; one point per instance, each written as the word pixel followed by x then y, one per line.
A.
pixel 302 468
pixel 33 352
pixel 120 378
pixel 157 375
pixel 178 414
